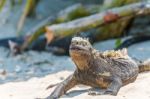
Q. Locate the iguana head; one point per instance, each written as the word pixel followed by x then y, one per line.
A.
pixel 80 51
pixel 80 46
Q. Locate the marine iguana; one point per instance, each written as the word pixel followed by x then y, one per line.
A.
pixel 109 70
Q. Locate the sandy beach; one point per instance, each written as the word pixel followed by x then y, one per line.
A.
pixel 36 88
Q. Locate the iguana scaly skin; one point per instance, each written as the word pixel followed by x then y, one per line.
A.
pixel 109 70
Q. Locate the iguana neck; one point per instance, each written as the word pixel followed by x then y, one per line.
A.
pixel 81 61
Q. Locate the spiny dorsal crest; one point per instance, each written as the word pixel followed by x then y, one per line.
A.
pixel 96 53
pixel 80 39
pixel 116 54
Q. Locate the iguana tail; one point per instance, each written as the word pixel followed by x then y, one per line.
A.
pixel 144 66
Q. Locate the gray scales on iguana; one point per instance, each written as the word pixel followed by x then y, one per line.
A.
pixel 109 70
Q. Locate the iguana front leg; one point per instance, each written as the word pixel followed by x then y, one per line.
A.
pixel 114 86
pixel 63 87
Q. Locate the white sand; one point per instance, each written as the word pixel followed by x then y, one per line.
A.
pixel 35 88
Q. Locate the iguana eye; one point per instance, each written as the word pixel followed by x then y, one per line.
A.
pixel 77 42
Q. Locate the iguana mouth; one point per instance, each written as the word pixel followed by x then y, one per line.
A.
pixel 77 48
